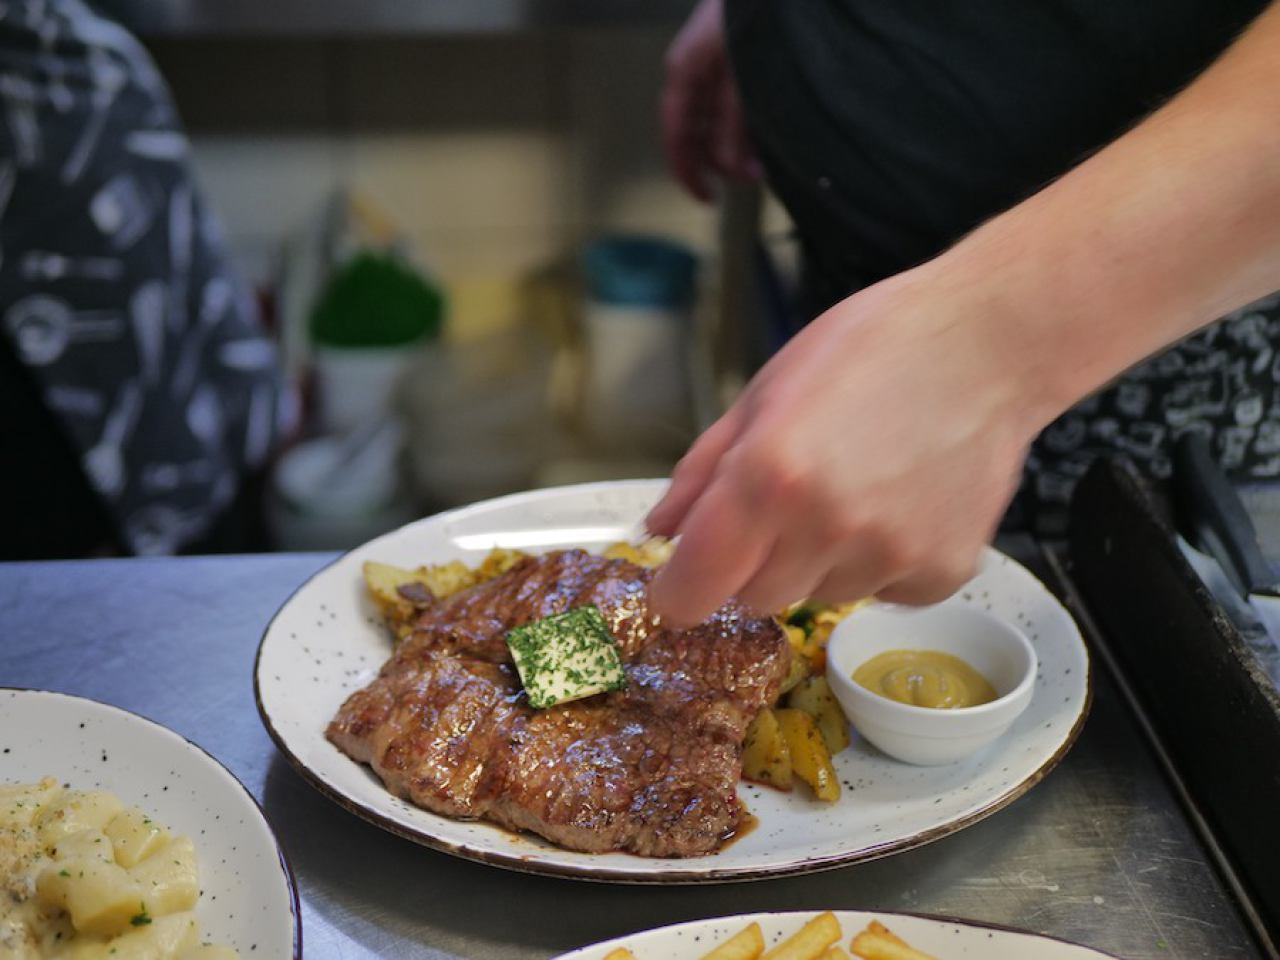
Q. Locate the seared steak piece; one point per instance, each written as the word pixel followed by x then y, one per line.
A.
pixel 652 769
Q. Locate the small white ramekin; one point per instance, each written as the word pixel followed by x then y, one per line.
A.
pixel 924 735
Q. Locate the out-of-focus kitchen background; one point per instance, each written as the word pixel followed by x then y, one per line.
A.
pixel 460 227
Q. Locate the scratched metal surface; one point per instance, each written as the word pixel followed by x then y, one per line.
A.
pixel 1099 852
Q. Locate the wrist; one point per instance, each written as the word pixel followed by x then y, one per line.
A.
pixel 1011 332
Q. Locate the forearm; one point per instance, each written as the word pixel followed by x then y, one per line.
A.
pixel 1170 226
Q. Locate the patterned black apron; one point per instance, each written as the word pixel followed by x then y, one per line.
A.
pixel 116 297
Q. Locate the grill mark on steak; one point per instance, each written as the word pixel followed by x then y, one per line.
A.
pixel 652 769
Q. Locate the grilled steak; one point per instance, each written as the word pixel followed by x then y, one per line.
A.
pixel 652 769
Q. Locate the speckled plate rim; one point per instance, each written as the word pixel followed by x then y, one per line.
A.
pixel 286 868
pixel 695 874
pixel 885 916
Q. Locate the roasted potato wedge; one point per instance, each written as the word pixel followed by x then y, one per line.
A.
pixel 816 656
pixel 801 615
pixel 800 668
pixel 766 757
pixel 656 551
pixel 382 581
pixel 398 592
pixel 808 632
pixel 810 760
pixel 385 583
pixel 445 579
pixel 498 562
pixel 813 695
pixel 624 551
pixel 795 636
pixel 815 646
pixel 385 580
pixel 653 552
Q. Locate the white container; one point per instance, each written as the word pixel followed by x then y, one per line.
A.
pixel 636 330
pixel 638 375
pixel 355 384
pixel 924 735
pixel 476 416
pixel 334 493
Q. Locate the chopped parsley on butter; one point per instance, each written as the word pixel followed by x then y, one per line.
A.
pixel 566 657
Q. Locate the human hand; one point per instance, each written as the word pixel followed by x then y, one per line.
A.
pixel 874 455
pixel 703 130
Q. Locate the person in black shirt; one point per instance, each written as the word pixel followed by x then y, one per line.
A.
pixel 1019 223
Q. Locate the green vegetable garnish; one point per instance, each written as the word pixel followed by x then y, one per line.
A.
pixel 376 300
pixel 803 617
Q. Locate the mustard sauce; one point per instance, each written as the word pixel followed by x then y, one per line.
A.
pixel 925 678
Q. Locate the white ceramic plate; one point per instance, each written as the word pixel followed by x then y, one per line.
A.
pixel 249 897
pixel 944 938
pixel 327 641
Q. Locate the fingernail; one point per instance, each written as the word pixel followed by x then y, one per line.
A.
pixel 656 606
pixel 659 608
pixel 653 522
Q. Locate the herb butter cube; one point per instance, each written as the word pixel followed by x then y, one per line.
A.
pixel 566 657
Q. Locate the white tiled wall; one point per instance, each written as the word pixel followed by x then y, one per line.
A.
pixel 262 187
pixel 496 155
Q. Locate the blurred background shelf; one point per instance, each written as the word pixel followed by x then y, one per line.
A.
pixel 497 141
pixel 301 18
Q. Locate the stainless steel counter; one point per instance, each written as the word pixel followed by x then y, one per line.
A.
pixel 1099 852
pixel 286 18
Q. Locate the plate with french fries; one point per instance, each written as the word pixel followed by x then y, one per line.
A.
pixel 819 796
pixel 834 935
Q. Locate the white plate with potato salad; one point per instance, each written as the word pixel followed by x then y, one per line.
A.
pixel 835 800
pixel 834 935
pixel 120 840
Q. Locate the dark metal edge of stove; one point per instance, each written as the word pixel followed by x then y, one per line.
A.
pixel 1071 597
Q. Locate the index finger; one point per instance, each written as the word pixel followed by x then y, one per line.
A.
pixel 721 547
pixel 693 473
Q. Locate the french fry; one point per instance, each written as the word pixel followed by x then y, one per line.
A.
pixel 810 760
pixel 878 943
pixel 622 953
pixel 834 953
pixel 766 757
pixel 747 944
pixel 810 942
pixel 875 926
